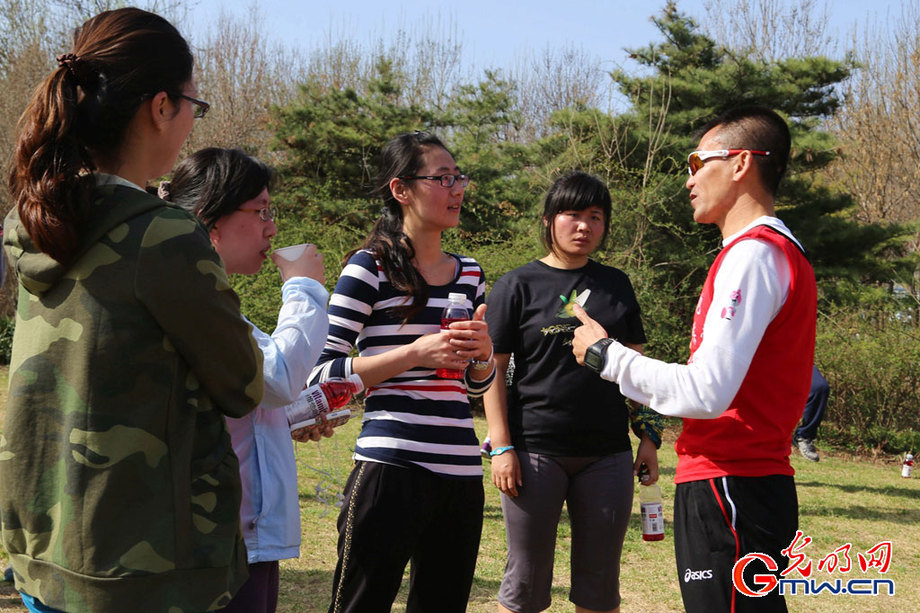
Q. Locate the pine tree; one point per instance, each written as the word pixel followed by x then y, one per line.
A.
pixel 686 81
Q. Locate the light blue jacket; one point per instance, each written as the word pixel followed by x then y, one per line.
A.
pixel 270 511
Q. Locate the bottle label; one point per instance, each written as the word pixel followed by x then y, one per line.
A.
pixel 311 403
pixel 652 518
pixel 446 321
pixel 454 311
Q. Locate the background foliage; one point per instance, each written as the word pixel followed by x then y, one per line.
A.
pixel 321 117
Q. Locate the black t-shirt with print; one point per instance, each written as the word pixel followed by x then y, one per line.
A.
pixel 555 406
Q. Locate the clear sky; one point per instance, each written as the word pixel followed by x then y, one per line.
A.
pixel 495 33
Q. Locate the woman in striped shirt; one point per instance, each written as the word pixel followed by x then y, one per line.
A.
pixel 415 492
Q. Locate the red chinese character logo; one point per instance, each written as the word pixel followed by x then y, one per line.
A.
pixel 839 559
pixel 797 560
pixel 878 557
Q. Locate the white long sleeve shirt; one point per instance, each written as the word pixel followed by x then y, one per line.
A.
pixel 270 510
pixel 755 271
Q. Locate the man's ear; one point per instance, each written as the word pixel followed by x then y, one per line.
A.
pixel 744 164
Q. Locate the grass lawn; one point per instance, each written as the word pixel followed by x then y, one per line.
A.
pixel 842 500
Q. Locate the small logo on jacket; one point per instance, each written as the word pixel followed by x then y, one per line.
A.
pixel 734 300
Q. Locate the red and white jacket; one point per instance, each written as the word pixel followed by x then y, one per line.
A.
pixel 743 390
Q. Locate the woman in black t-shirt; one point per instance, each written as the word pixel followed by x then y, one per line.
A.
pixel 559 433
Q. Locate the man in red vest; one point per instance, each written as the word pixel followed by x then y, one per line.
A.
pixel 742 391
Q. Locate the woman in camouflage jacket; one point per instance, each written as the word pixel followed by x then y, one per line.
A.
pixel 119 490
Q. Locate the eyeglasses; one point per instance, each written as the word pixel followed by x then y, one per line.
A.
pixel 200 108
pixel 445 180
pixel 698 158
pixel 266 213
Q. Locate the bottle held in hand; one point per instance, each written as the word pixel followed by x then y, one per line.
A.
pixel 321 403
pixel 651 508
pixel 454 311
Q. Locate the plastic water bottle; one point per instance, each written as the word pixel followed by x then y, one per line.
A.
pixel 652 510
pixel 907 465
pixel 454 311
pixel 320 401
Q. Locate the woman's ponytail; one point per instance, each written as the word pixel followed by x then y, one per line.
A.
pixel 50 165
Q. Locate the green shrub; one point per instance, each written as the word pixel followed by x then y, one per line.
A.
pixel 871 360
pixel 7 325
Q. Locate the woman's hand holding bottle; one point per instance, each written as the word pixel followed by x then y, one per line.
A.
pixel 453 347
pixel 435 351
pixel 471 338
pixel 318 430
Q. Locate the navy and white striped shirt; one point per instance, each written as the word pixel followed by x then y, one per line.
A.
pixel 414 418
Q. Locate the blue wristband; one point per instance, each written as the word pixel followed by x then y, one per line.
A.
pixel 500 451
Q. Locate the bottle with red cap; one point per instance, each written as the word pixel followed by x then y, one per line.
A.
pixel 907 465
pixel 322 402
pixel 454 311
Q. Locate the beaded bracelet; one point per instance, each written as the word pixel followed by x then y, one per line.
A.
pixel 500 450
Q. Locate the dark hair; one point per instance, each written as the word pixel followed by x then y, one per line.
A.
pixel 574 191
pixel 403 155
pixel 81 113
pixel 758 128
pixel 214 182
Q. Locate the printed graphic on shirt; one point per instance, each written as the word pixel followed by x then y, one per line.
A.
pixel 734 298
pixel 567 310
pixel 560 329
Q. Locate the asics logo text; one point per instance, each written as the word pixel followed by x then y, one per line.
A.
pixel 697 575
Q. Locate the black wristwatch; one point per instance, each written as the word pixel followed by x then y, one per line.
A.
pixel 596 354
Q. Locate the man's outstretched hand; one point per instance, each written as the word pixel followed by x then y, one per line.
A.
pixel 588 333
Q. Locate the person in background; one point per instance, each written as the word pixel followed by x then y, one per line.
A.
pixel 560 434
pixel 742 391
pixel 119 489
pixel 415 492
pixel 812 416
pixel 229 192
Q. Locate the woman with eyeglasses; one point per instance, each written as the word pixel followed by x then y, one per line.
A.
pixel 560 434
pixel 229 192
pixel 119 489
pixel 415 492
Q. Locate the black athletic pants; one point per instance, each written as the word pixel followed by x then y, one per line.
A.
pixel 719 521
pixel 392 515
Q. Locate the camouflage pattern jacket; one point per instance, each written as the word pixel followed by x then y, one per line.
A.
pixel 119 490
